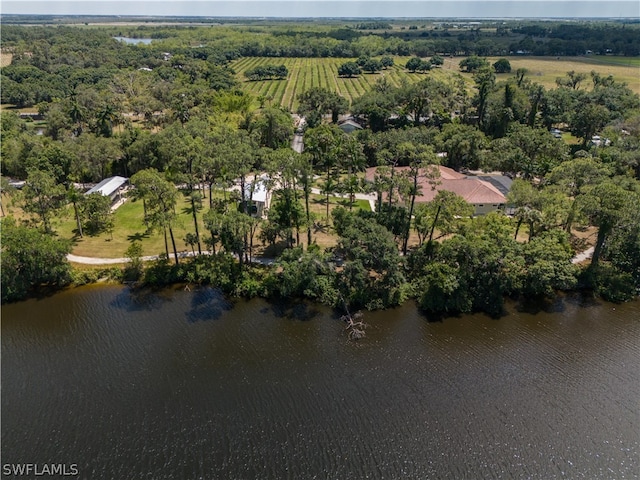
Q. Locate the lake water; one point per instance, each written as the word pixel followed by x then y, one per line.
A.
pixel 186 385
pixel 134 41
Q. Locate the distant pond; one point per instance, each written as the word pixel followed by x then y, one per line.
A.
pixel 134 41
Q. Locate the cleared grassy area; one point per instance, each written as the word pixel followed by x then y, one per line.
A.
pixel 545 70
pixel 10 107
pixel 5 59
pixel 129 227
pixel 305 73
pixel 318 205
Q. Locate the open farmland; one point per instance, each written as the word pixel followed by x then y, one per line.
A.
pixel 305 73
pixel 545 70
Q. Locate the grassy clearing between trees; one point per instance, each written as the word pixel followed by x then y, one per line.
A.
pixel 305 73
pixel 129 227
pixel 545 70
pixel 5 59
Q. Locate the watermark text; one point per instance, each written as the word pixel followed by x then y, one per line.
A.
pixel 40 469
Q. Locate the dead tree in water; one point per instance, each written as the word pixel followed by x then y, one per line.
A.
pixel 355 326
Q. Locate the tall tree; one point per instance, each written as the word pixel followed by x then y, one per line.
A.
pixel 160 197
pixel 422 161
pixel 324 143
pixel 352 160
pixel 95 213
pixel 606 205
pixel 463 144
pixel 426 98
pixel 526 152
pixel 372 274
pixel 274 127
pixel 485 81
pixel 446 213
pixel 317 101
pixel 574 175
pixel 43 197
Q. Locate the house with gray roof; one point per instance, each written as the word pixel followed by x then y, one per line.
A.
pixel 112 187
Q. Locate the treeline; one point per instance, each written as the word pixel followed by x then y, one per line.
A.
pixel 198 139
pixel 568 39
pixel 56 63
pixel 68 62
pixel 267 72
pixel 350 43
pixel 95 48
pixel 373 26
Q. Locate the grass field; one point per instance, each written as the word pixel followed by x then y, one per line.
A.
pixel 129 227
pixel 305 73
pixel 5 59
pixel 545 70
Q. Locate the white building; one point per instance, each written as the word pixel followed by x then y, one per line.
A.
pixel 111 187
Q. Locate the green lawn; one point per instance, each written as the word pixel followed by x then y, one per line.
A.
pixel 318 205
pixel 129 227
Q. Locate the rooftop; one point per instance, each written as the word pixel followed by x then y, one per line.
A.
pixel 108 186
pixel 474 190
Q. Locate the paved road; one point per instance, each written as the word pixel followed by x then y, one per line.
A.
pixel 582 256
pixel 114 261
pixel 297 144
pixel 370 197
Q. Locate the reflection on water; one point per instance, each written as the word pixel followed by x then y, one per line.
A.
pixel 176 384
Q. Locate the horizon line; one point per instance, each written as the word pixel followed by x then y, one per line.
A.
pixel 330 9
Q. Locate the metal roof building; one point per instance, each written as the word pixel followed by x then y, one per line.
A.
pixel 109 187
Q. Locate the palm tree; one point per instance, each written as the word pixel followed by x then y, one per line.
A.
pixel 74 196
pixel 106 118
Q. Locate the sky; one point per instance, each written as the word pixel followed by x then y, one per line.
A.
pixel 332 8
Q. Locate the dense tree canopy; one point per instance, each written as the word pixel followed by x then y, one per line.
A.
pixel 31 259
pixel 171 116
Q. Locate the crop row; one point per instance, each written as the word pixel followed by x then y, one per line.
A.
pixel 305 73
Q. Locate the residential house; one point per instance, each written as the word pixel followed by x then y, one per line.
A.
pixel 349 125
pixel 486 193
pixel 260 197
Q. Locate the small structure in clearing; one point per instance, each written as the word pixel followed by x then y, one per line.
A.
pixel 260 198
pixel 111 187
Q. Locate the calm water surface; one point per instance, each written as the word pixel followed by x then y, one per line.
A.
pixel 185 385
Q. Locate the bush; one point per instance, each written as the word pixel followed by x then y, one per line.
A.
pixel 134 269
pixel 612 284
pixel 502 65
pixel 267 72
pixel 31 259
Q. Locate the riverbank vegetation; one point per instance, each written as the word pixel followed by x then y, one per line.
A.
pixel 192 120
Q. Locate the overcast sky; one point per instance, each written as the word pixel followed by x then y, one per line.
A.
pixel 329 8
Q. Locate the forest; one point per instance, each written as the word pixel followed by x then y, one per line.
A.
pixel 179 121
